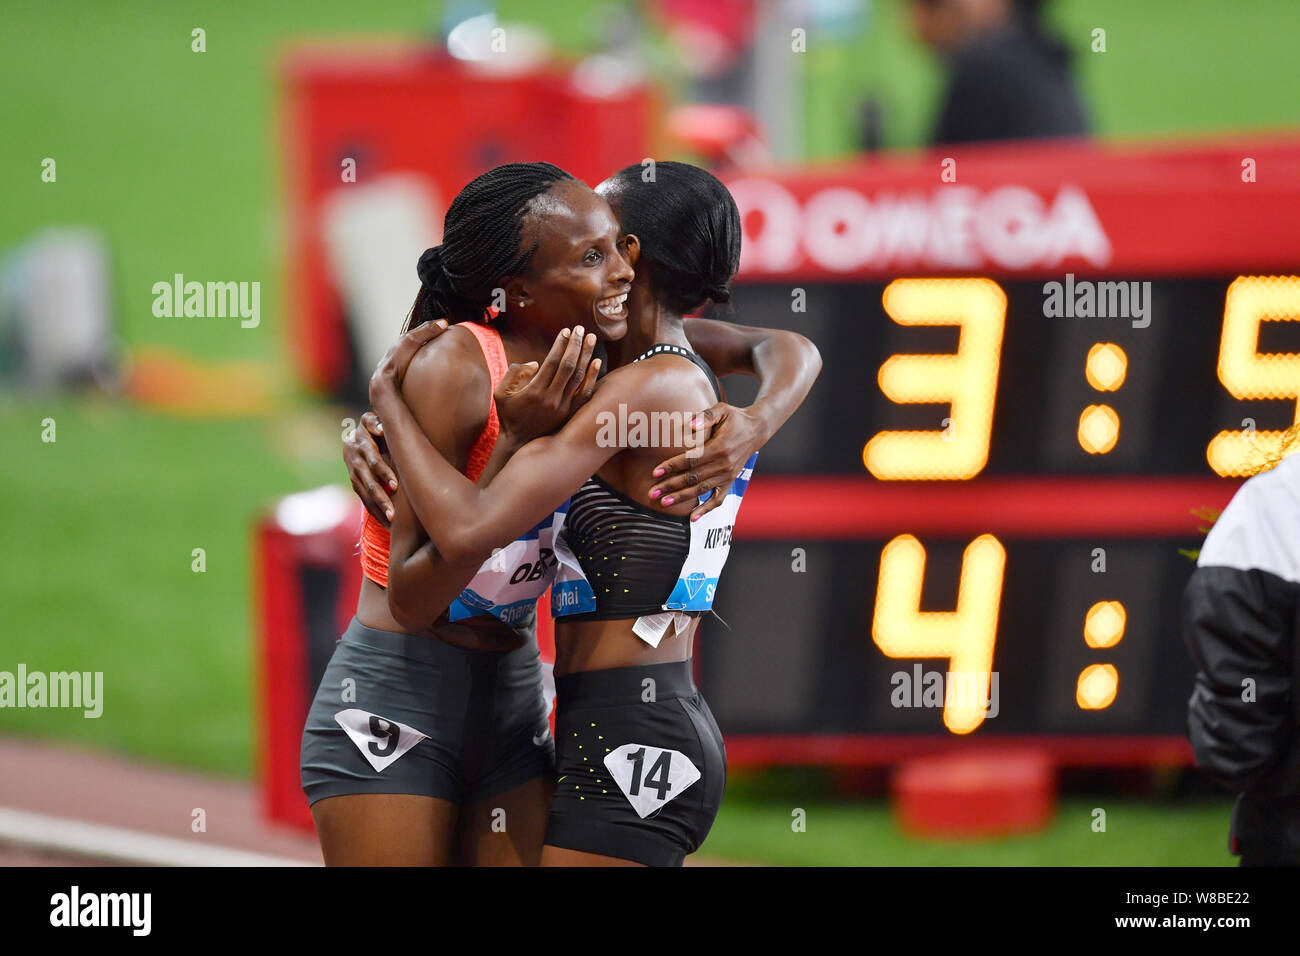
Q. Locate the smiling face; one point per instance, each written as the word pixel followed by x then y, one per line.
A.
pixel 580 273
pixel 641 295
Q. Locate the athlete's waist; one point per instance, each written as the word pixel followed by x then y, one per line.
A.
pixel 482 632
pixel 598 645
pixel 627 615
pixel 425 649
pixel 626 685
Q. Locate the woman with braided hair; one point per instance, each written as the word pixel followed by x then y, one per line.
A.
pixel 640 758
pixel 450 759
pixel 430 716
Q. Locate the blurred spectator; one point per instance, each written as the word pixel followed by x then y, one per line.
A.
pixel 1007 79
pixel 56 310
pixel 1241 614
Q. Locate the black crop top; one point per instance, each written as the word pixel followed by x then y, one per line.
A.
pixel 630 553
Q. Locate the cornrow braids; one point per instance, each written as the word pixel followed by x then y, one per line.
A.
pixel 482 242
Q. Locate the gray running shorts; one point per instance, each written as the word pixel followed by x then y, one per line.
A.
pixel 403 713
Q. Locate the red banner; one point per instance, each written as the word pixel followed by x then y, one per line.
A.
pixel 1168 210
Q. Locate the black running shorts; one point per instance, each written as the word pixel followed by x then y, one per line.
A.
pixel 640 764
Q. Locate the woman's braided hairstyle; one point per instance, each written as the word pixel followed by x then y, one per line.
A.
pixel 481 243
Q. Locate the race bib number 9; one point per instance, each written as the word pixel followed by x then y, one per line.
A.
pixel 380 740
pixel 650 777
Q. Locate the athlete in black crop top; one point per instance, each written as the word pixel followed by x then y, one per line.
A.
pixel 640 759
pixel 630 552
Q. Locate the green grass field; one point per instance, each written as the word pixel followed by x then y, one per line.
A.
pixel 1138 833
pixel 100 527
pixel 173 155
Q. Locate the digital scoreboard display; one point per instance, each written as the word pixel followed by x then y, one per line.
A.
pixel 973 527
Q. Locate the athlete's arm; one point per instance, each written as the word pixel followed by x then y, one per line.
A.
pixel 372 477
pixel 531 400
pixel 467 521
pixel 786 364
pixel 447 386
pixel 534 400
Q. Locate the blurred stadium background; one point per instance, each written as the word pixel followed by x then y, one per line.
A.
pixel 172 161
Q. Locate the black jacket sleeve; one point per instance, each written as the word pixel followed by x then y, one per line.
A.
pixel 1240 628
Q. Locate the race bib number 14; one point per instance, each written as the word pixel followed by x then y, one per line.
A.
pixel 650 777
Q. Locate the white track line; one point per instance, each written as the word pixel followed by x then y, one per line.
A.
pixel 78 838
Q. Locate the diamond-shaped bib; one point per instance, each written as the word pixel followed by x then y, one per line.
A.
pixel 380 740
pixel 650 777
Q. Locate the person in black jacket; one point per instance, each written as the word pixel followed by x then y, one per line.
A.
pixel 1241 624
pixel 1007 77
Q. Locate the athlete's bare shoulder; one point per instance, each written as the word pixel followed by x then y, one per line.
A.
pixel 664 381
pixel 451 361
pixel 450 376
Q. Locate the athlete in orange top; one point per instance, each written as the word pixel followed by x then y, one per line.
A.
pixel 375 536
pixel 567 263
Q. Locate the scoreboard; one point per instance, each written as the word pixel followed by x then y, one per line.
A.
pixel 1038 362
